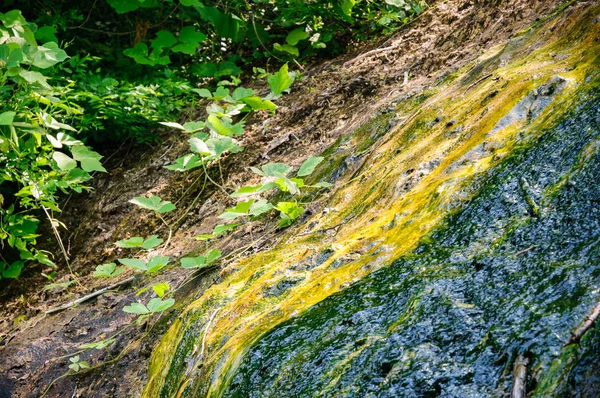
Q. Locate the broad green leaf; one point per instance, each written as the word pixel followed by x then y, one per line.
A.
pixel 158 305
pixel 108 270
pixel 257 104
pixel 184 163
pixel 6 118
pixel 156 263
pixel 199 146
pixel 280 81
pixel 192 127
pixel 62 139
pixel 151 242
pixel 276 169
pixel 219 229
pixel 134 263
pixel 291 209
pixel 212 255
pixel 136 308
pixel 153 203
pixel 241 93
pixel 309 166
pixel 193 262
pixel 222 144
pixel 46 34
pixel 203 92
pixel 90 160
pixel 241 209
pixel 296 35
pixel 64 162
pixel 14 270
pixel 48 55
pixel 189 40
pixel 164 39
pixel 260 207
pixel 244 191
pixel 286 48
pixel 160 289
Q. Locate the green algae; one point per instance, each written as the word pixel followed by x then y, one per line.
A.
pixel 421 175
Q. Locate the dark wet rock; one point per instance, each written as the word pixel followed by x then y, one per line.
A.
pixel 449 318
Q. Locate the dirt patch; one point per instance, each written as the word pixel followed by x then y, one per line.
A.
pixel 333 99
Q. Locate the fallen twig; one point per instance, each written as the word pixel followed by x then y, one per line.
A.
pixel 89 296
pixel 519 388
pixel 587 324
pixel 517 254
pixel 477 82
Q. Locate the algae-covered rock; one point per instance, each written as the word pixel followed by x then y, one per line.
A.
pixel 465 237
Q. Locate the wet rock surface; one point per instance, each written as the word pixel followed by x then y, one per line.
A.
pixel 450 318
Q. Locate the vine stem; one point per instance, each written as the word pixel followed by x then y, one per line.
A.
pixel 170 233
pixel 62 246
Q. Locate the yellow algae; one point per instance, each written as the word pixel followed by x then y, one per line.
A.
pixel 415 177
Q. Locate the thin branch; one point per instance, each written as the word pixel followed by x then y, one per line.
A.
pixel 89 296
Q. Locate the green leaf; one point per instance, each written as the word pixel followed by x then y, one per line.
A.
pixel 62 139
pixel 6 118
pixel 241 209
pixel 203 92
pixel 257 104
pixel 90 160
pixel 156 263
pixel 136 308
pixel 184 163
pixel 241 93
pixel 46 34
pixel 322 184
pixel 276 169
pixel 99 345
pixel 108 270
pixel 221 228
pixel 193 262
pixel 244 191
pixel 133 242
pixel 151 242
pixel 189 40
pixel 192 127
pixel 48 55
pixel 260 207
pixel 199 146
pixel 134 263
pixel 64 162
pixel 280 81
pixel 158 305
pixel 173 125
pixel 14 270
pixel 296 35
pixel 212 255
pixel 309 166
pixel 153 203
pixel 291 209
pixel 164 39
pixel 286 48
pixel 161 288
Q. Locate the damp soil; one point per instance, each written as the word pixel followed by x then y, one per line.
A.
pixel 333 99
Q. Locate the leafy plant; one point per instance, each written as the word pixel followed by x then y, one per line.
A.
pixel 154 305
pixel 152 266
pixel 77 364
pixel 109 270
pixel 139 242
pixel 201 261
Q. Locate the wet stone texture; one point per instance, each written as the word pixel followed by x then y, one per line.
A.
pixel 450 319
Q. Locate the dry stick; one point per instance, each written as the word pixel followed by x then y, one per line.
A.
pixel 525 250
pixel 519 389
pixel 206 332
pixel 89 296
pixel 587 324
pixel 477 82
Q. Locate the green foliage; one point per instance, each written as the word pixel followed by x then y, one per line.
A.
pixel 153 203
pixel 154 305
pixel 152 266
pixel 201 261
pixel 38 159
pixel 76 364
pixel 109 270
pixel 139 242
